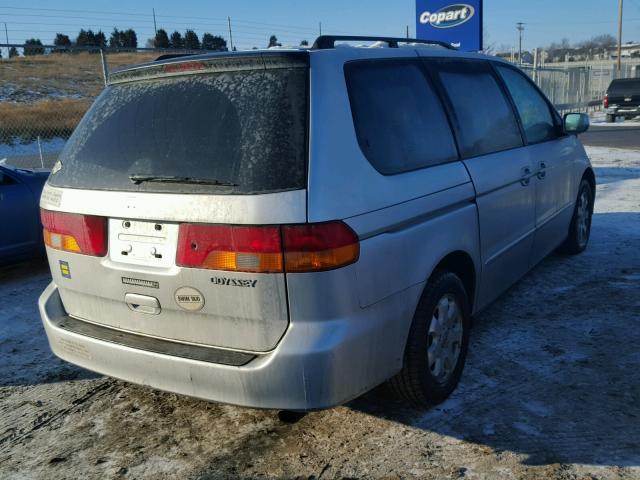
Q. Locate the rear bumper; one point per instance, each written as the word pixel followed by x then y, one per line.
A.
pixel 622 110
pixel 316 365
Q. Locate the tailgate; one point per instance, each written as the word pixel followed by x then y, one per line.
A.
pixel 214 145
pixel 138 287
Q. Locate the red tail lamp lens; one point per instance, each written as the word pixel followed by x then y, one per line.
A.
pixel 234 248
pixel 269 249
pixel 70 232
pixel 321 246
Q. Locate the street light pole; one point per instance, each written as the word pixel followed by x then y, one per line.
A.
pixel 520 27
pixel 620 39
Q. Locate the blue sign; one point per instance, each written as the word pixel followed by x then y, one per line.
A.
pixel 459 24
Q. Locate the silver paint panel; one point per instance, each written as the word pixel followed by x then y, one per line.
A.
pixel 271 208
pixel 342 183
pixel 506 199
pixel 251 319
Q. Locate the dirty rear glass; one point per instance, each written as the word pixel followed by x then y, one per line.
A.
pixel 246 127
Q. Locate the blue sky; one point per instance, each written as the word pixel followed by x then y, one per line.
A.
pixel 253 21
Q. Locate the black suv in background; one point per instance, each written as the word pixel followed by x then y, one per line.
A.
pixel 622 99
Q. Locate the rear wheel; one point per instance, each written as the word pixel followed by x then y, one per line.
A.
pixel 611 118
pixel 580 227
pixel 437 345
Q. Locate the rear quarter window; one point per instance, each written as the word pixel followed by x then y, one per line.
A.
pixel 399 120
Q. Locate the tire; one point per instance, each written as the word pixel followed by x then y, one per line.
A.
pixel 423 382
pixel 580 226
pixel 611 118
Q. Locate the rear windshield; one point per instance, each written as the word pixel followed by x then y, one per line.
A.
pixel 625 87
pixel 245 127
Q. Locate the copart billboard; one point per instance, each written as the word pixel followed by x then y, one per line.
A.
pixel 459 24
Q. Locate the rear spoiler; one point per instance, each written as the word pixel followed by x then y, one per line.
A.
pixel 190 64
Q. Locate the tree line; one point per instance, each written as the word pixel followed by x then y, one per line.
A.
pixel 128 39
pixel 125 39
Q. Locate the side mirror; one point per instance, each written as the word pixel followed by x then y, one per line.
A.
pixel 575 123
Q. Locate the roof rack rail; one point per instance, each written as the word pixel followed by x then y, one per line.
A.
pixel 324 42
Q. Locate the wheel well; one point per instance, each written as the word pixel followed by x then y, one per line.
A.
pixel 461 264
pixel 590 177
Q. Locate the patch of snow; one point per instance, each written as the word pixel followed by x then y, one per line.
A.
pixel 613 157
pixel 52 145
pixel 599 119
pixel 11 92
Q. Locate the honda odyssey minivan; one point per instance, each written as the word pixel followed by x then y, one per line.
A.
pixel 290 228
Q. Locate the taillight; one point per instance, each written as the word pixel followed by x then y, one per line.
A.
pixel 70 232
pixel 605 101
pixel 235 248
pixel 321 246
pixel 270 249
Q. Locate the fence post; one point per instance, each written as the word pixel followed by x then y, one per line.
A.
pixel 105 68
pixel 40 152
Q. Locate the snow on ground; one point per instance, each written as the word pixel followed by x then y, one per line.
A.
pixel 551 389
pixel 598 119
pixel 19 148
pixel 12 92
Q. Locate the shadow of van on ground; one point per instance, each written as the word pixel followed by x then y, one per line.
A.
pixel 554 364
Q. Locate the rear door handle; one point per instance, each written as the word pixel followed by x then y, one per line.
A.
pixel 142 303
pixel 542 172
pixel 526 176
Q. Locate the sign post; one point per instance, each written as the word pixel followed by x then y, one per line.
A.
pixel 459 24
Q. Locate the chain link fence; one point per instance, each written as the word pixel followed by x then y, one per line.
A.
pixel 44 96
pixel 579 88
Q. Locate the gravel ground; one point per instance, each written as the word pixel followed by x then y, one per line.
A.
pixel 551 389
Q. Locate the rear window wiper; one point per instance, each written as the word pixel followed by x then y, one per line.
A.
pixel 138 179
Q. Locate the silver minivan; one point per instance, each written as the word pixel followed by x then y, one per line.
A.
pixel 290 228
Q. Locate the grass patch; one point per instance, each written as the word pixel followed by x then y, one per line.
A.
pixel 63 74
pixel 46 118
pixel 47 95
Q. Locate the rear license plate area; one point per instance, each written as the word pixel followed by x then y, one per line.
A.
pixel 142 242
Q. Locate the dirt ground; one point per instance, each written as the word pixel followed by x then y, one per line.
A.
pixel 551 389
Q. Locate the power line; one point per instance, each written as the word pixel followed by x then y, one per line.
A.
pixel 94 22
pixel 220 21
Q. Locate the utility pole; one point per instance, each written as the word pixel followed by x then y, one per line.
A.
pixel 620 39
pixel 320 25
pixel 155 28
pixel 407 31
pixel 520 28
pixel 6 36
pixel 230 36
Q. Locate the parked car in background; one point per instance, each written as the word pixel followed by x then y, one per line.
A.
pixel 334 224
pixel 622 99
pixel 21 231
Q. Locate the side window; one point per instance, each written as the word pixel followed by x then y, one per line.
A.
pixel 399 119
pixel 484 116
pixel 533 109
